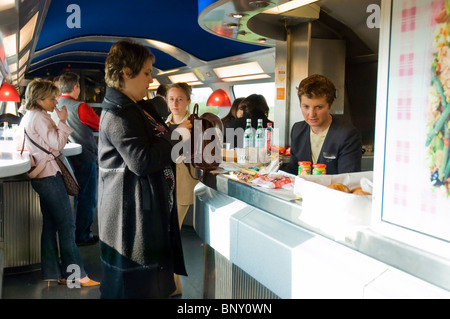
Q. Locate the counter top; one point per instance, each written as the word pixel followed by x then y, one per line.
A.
pixel 12 163
pixel 72 149
pixel 425 265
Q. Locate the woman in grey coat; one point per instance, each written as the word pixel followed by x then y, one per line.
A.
pixel 140 242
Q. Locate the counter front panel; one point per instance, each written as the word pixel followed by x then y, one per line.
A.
pixel 264 237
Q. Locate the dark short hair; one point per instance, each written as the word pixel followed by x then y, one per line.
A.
pixel 125 53
pixel 316 86
pixel 67 81
pixel 232 114
pixel 255 104
pixel 162 89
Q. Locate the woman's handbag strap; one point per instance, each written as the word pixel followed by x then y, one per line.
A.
pixel 40 147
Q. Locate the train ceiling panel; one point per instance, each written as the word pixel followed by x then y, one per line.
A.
pixel 171 24
pixel 182 34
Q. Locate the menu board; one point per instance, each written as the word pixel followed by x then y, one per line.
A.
pixel 416 186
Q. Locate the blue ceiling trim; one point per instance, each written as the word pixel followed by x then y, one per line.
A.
pixel 162 59
pixel 202 4
pixel 170 21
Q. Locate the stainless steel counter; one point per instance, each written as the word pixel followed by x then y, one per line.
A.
pixel 253 233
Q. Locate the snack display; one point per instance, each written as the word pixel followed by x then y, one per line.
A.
pixel 343 188
pixel 263 177
pixel 272 181
pixel 244 174
pixel 329 205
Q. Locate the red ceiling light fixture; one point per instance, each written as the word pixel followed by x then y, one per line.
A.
pixel 219 98
pixel 8 93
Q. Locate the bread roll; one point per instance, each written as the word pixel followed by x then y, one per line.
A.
pixel 340 187
pixel 359 191
pixel 356 189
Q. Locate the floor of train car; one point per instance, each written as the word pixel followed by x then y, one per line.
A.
pixel 28 285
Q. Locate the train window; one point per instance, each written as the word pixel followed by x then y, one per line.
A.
pixel 200 96
pixel 265 89
pixel 11 108
pixel 93 86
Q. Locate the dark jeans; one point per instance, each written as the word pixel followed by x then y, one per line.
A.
pixel 57 221
pixel 86 201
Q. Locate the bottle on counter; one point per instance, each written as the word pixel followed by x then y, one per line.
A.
pixel 319 169
pixel 248 134
pixel 260 140
pixel 259 135
pixel 304 168
pixel 5 130
pixel 269 131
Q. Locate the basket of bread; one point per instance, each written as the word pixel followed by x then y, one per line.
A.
pixel 336 204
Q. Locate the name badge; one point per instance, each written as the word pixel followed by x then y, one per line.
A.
pixel 329 156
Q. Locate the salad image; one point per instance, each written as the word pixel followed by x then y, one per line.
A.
pixel 438 113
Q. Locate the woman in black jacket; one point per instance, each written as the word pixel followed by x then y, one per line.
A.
pixel 140 241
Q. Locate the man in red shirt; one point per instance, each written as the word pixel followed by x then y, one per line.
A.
pixel 83 121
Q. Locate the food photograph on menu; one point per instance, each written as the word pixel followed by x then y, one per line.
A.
pixel 417 127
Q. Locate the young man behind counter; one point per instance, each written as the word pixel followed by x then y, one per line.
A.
pixel 321 137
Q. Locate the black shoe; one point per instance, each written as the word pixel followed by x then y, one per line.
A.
pixel 92 241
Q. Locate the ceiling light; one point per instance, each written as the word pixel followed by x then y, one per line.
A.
pixel 154 85
pixel 246 77
pixel 27 32
pixel 8 93
pixel 238 15
pixel 10 44
pixel 238 69
pixel 12 67
pixel 232 25
pixel 23 60
pixel 185 77
pixel 7 4
pixel 288 6
pixel 194 83
pixel 168 71
pixel 219 98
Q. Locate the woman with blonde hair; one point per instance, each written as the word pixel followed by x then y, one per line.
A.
pixel 178 100
pixel 58 222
